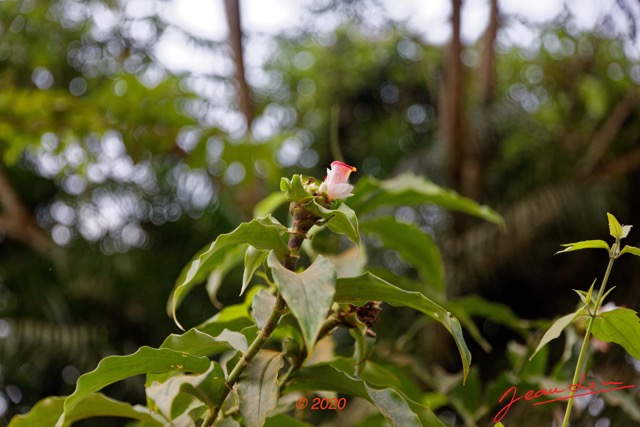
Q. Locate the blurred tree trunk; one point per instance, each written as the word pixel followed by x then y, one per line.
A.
pixel 232 8
pixel 485 143
pixel 451 102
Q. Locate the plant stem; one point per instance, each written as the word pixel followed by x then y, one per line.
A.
pixel 303 220
pixel 585 343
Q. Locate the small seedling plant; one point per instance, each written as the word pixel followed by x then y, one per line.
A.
pixel 620 326
pixel 261 361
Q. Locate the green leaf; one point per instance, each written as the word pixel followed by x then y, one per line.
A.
pixel 232 258
pixel 207 387
pixel 398 410
pixel 198 343
pixel 283 420
pixel 115 368
pixel 269 204
pixel 621 326
pixel 262 307
pixel 625 230
pixel 294 189
pixel 368 287
pixel 258 388
pixel 498 424
pixel 363 347
pixel 415 246
pixel 630 250
pixel 615 229
pixel 585 244
pixel 261 233
pixel 555 330
pixel 342 220
pixel 409 189
pixel 309 295
pixel 253 259
pixel 47 411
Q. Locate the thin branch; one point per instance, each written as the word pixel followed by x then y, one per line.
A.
pixel 232 8
pixel 18 222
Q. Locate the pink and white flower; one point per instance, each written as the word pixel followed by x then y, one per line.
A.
pixel 336 184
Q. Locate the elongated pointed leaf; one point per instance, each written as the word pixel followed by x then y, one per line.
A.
pixel 198 343
pixel 621 326
pixel 258 388
pixel 409 189
pixel 253 259
pixel 397 409
pixel 47 411
pixel 116 368
pixel 415 246
pixel 342 220
pixel 555 330
pixel 232 258
pixel 585 244
pixel 630 250
pixel 309 295
pixel 261 233
pixel 371 288
pixel 615 229
pixel 207 387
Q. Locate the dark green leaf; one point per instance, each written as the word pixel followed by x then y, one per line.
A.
pixel 371 288
pixel 47 411
pixel 232 258
pixel 621 326
pixel 116 368
pixel 207 387
pixel 258 389
pixel 253 259
pixel 262 233
pixel 198 343
pixel 282 420
pixel 585 244
pixel 409 189
pixel 262 307
pixel 342 220
pixel 389 402
pixel 309 295
pixel 415 246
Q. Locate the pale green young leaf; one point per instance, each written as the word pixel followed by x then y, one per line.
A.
pixel 585 244
pixel 206 387
pixel 262 233
pixel 498 424
pixel 258 389
pixel 615 229
pixel 625 230
pixel 341 220
pixel 582 295
pixel 409 189
pixel 253 259
pixel 621 326
pixel 414 245
pixel 47 411
pixel 361 289
pixel 630 250
pixel 555 330
pixel 294 189
pixel 608 292
pixel 590 292
pixel 309 295
pixel 116 368
pixel 396 408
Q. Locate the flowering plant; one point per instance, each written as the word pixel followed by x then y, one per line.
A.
pixel 257 362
